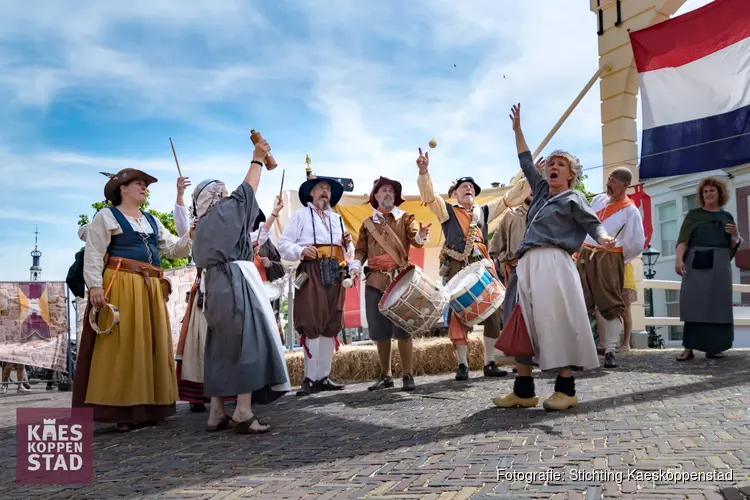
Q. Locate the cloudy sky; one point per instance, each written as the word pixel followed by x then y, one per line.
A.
pixel 90 86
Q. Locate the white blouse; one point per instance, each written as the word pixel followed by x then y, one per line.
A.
pixel 99 232
pixel 301 231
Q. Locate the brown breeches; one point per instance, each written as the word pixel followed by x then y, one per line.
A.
pixel 602 278
pixel 318 309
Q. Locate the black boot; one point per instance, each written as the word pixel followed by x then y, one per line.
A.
pixel 408 383
pixel 462 373
pixel 307 388
pixel 327 385
pixel 383 382
pixel 492 370
pixel 609 360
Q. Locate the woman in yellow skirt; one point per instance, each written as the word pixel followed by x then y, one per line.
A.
pixel 125 369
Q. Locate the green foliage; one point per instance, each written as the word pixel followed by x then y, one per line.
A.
pixel 582 189
pixel 284 309
pixel 167 219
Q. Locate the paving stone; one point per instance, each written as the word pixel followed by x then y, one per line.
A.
pixel 444 440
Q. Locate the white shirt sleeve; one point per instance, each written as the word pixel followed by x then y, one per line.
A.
pixel 287 246
pixel 632 238
pixel 98 235
pixel 181 219
pixel 263 234
pixel 170 245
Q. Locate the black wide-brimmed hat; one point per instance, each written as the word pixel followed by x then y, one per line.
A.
pixel 305 190
pixel 382 181
pixel 260 219
pixel 460 181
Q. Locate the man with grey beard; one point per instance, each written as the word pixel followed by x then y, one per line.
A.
pixel 384 241
pixel 316 237
pixel 465 227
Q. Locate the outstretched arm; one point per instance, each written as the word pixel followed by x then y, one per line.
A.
pixel 530 170
pixel 434 202
pixel 256 166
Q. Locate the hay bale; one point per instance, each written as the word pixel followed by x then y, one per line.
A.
pixel 432 356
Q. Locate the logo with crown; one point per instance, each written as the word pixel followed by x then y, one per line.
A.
pixel 49 431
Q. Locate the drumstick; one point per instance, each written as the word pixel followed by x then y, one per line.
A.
pixel 174 153
pixel 281 191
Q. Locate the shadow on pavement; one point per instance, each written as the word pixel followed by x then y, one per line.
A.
pixel 338 427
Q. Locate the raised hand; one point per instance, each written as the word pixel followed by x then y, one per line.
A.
pixel 540 164
pixel 261 151
pixel 182 184
pixel 423 161
pixel 424 231
pixel 515 117
pixel 277 206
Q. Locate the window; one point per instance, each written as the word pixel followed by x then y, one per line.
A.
pixel 667 214
pixel 673 311
pixel 689 203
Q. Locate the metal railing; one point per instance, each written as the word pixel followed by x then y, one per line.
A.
pixel 675 285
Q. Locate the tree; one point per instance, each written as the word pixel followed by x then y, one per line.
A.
pixel 167 219
pixel 582 189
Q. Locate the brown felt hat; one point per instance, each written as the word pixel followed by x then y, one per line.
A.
pixel 382 181
pixel 124 176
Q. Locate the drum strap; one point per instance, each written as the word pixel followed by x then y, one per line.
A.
pixel 386 244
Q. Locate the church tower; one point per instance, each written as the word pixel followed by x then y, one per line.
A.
pixel 36 256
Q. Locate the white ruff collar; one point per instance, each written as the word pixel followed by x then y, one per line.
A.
pixel 396 212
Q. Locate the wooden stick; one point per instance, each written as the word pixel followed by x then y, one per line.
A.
pixel 281 191
pixel 604 69
pixel 174 153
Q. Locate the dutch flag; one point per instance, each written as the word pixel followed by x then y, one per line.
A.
pixel 695 90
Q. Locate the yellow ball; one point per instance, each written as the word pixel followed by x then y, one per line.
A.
pixel 433 143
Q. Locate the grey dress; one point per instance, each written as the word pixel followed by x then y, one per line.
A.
pixel 242 353
pixel 706 290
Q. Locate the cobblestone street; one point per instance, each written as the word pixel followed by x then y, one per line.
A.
pixel 445 440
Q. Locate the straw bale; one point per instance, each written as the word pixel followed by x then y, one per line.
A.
pixel 432 356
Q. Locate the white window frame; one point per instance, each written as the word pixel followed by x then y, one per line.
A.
pixel 660 222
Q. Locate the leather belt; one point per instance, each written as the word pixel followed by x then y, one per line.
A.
pixel 331 252
pixel 142 268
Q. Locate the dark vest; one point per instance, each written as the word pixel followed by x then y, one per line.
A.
pixel 454 234
pixel 132 245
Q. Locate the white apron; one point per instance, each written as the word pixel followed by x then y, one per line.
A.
pixel 269 317
pixel 195 345
pixel 551 299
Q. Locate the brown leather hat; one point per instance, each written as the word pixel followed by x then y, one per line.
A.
pixel 112 187
pixel 382 181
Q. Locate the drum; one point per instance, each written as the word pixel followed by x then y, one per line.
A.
pixel 414 302
pixel 475 294
pixel 274 289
